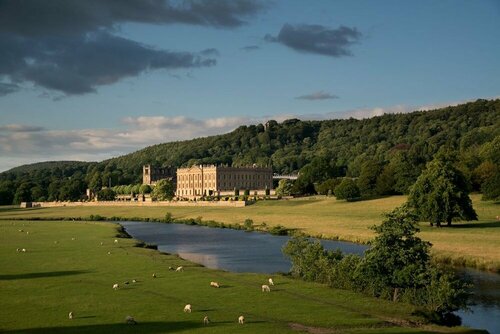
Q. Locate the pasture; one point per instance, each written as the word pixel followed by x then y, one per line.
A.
pixel 475 244
pixel 66 268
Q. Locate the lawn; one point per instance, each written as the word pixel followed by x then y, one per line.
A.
pixel 66 268
pixel 474 244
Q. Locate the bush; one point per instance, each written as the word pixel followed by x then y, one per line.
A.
pixel 347 189
pixel 248 224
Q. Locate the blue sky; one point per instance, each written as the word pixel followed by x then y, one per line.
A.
pixel 88 80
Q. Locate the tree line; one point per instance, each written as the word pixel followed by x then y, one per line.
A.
pixel 383 155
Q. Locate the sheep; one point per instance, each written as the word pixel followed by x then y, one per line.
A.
pixel 129 320
pixel 154 275
pixel 206 321
pixel 215 284
pixel 116 241
pixel 241 320
pixel 171 268
pixel 134 281
pixel 179 268
pixel 109 253
pixel 265 288
pixel 187 308
pixel 21 231
pixel 23 250
pixel 116 286
pixel 271 281
pixel 18 250
pixel 70 315
pixel 73 239
pixel 27 232
pixel 102 243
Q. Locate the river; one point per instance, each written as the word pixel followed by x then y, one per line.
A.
pixel 240 251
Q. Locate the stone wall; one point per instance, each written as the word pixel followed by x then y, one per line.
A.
pixel 235 204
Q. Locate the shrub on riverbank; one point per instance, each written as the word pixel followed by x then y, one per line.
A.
pixel 396 267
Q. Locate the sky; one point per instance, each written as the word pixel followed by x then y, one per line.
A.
pixel 89 80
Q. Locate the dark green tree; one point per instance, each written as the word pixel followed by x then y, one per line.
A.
pixel 491 187
pixel 397 259
pixel 106 194
pixel 163 190
pixel 285 187
pixel 441 193
pixel 347 189
pixel 367 181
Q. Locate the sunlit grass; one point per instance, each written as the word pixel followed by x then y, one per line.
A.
pixel 65 268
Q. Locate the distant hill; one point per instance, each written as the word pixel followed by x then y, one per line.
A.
pixel 472 130
pixel 47 165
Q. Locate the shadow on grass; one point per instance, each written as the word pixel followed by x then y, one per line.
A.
pixel 146 327
pixel 42 275
pixel 490 224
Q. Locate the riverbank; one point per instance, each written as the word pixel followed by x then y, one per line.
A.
pixel 472 244
pixel 66 268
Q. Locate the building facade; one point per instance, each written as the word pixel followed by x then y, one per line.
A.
pixel 197 181
pixel 151 175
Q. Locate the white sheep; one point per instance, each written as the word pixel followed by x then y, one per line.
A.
pixel 102 243
pixel 21 231
pixel 73 239
pixel 109 253
pixel 129 320
pixel 154 275
pixel 18 250
pixel 134 281
pixel 206 321
pixel 187 308
pixel 271 281
pixel 179 268
pixel 116 241
pixel 215 284
pixel 241 319
pixel 265 288
pixel 116 286
pixel 23 250
pixel 70 315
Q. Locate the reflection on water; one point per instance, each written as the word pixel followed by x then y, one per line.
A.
pixel 226 249
pixel 240 251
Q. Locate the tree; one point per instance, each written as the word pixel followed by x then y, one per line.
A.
pixel 397 258
pixel 163 190
pixel 347 189
pixel 145 189
pixel 284 188
pixel 106 194
pixel 491 188
pixel 367 180
pixel 441 193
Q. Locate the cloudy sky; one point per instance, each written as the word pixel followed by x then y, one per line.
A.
pixel 92 79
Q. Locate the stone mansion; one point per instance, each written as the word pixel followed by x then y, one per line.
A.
pixel 206 180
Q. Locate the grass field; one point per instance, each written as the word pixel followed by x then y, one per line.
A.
pixel 474 244
pixel 65 268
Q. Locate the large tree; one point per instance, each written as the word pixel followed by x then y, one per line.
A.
pixel 397 258
pixel 441 193
pixel 163 191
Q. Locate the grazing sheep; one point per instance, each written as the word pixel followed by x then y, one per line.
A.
pixel 18 250
pixel 134 281
pixel 109 253
pixel 21 231
pixel 187 308
pixel 215 284
pixel 171 268
pixel 116 241
pixel 206 321
pixel 241 320
pixel 179 268
pixel 70 315
pixel 27 232
pixel 72 238
pixel 271 281
pixel 265 288
pixel 154 275
pixel 23 250
pixel 129 320
pixel 102 243
pixel 116 286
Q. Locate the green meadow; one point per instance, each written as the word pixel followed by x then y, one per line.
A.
pixel 474 244
pixel 66 268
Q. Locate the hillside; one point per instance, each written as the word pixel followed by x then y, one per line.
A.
pixel 399 144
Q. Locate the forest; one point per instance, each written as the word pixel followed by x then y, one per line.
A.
pixel 383 155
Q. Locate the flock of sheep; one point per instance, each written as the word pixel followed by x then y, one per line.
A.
pixel 187 309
